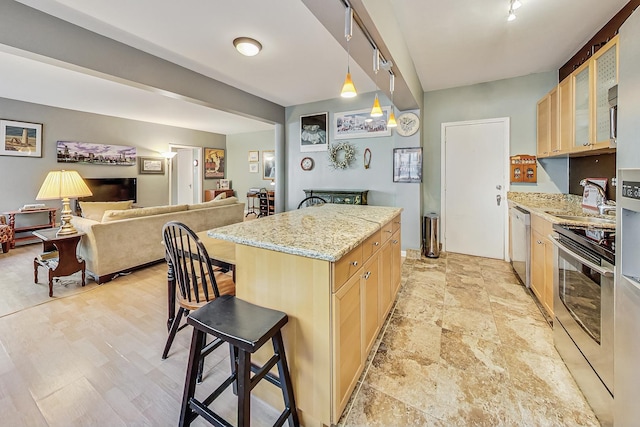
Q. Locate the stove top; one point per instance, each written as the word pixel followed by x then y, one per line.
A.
pixel 601 241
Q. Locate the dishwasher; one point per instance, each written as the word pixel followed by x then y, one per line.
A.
pixel 520 243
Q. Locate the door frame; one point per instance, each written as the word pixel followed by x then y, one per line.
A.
pixel 505 176
pixel 199 184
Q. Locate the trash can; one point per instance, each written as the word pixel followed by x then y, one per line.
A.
pixel 430 239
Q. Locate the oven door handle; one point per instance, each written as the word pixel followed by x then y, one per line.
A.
pixel 603 271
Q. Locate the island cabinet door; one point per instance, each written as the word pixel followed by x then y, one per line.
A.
pixel 370 303
pixel 386 296
pixel 346 267
pixel 347 342
pixel 396 263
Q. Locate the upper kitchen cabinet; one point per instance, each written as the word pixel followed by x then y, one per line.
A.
pixel 574 117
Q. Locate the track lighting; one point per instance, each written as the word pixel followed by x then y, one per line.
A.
pixel 376 110
pixel 515 4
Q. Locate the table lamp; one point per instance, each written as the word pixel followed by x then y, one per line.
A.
pixel 63 185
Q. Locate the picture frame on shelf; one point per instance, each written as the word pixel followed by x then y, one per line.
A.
pixel 360 124
pixel 407 165
pixel 269 165
pixel 21 139
pixel 225 184
pixel 254 156
pixel 151 165
pixel 253 168
pixel 214 163
pixel 313 132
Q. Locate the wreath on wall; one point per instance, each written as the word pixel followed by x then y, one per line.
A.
pixel 341 155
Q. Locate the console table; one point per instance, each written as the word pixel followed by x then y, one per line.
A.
pixel 29 228
pixel 342 197
pixel 66 263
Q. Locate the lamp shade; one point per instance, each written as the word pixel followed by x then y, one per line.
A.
pixel 376 111
pixel 348 89
pixel 392 120
pixel 63 184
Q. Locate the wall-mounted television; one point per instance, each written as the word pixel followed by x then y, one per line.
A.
pixel 111 189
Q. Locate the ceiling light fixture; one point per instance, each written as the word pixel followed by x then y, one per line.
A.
pixel 515 4
pixel 376 110
pixel 348 88
pixel 512 15
pixel 247 46
pixel 392 117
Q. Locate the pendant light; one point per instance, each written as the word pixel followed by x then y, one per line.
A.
pixel 392 117
pixel 348 88
pixel 376 110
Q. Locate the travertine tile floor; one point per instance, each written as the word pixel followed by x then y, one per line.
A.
pixel 465 345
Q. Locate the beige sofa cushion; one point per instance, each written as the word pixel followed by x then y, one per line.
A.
pixel 117 215
pixel 214 203
pixel 95 210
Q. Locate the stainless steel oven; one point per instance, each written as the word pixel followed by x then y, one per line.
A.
pixel 583 311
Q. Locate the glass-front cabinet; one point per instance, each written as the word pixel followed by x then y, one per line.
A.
pixel 606 76
pixel 574 116
pixel 582 111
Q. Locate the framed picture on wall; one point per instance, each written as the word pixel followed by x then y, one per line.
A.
pixel 151 165
pixel 253 167
pixel 360 124
pixel 254 156
pixel 313 132
pixel 407 164
pixel 213 163
pixel 20 139
pixel 269 165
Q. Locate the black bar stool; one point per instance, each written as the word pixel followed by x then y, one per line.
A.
pixel 246 327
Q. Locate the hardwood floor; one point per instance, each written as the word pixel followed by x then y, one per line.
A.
pixel 464 345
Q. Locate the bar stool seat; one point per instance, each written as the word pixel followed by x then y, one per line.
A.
pixel 246 327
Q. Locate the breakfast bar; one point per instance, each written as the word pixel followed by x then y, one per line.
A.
pixel 335 270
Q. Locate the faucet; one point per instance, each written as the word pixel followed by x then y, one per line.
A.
pixel 605 207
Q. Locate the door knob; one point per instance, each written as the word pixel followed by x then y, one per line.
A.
pixel 498 199
pixel 498 187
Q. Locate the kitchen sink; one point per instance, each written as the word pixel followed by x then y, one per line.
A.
pixel 591 219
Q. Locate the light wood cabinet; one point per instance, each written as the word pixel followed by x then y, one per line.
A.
pixel 542 262
pixel 336 311
pixel 574 117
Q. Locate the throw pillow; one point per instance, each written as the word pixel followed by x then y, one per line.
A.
pixel 220 196
pixel 95 210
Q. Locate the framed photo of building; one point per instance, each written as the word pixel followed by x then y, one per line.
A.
pixel 407 164
pixel 95 154
pixel 313 132
pixel 269 165
pixel 360 124
pixel 20 139
pixel 151 165
pixel 213 163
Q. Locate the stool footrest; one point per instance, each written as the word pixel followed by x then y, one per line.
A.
pixel 206 413
pixel 217 392
pixel 283 417
pixel 273 379
pixel 263 371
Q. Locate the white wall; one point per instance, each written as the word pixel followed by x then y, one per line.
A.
pixel 378 179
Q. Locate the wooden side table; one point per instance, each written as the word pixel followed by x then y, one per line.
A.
pixel 66 263
pixel 42 226
pixel 211 194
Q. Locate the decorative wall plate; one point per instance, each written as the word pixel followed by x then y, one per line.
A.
pixel 306 164
pixel 408 124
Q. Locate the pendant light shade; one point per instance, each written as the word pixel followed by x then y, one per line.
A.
pixel 392 120
pixel 348 89
pixel 376 111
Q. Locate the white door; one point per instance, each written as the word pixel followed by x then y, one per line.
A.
pixel 184 161
pixel 474 186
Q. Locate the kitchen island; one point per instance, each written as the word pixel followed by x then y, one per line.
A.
pixel 335 270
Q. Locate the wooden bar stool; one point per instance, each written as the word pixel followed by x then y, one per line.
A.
pixel 246 327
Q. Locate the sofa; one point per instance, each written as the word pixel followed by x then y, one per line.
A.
pixel 118 239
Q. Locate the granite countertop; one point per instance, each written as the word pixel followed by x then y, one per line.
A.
pixel 325 232
pixel 546 205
